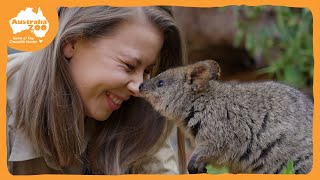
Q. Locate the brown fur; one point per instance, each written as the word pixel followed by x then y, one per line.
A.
pixel 249 127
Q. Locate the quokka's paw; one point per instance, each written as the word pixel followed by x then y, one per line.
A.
pixel 195 167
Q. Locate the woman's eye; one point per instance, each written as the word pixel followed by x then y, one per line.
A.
pixel 129 66
pixel 146 72
pixel 160 83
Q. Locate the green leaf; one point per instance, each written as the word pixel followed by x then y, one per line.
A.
pixel 215 170
pixel 238 38
pixel 292 76
pixel 289 169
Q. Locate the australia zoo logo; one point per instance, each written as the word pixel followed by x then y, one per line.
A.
pixel 28 27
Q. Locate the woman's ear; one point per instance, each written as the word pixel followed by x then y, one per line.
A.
pixel 68 50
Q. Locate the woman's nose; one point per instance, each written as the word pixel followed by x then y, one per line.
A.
pixel 134 84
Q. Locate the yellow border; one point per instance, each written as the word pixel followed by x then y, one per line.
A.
pixel 50 5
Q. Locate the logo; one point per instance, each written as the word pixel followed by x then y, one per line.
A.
pixel 28 27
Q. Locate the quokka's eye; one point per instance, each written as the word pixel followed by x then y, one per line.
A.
pixel 160 83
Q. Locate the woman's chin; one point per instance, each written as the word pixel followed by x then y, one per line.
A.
pixel 100 116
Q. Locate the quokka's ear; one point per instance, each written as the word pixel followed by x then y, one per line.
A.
pixel 199 74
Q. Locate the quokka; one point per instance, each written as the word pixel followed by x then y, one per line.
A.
pixel 252 127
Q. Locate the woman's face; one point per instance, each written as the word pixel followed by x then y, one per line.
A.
pixel 109 70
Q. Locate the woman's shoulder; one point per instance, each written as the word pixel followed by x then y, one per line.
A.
pixel 19 147
pixel 15 61
pixel 31 167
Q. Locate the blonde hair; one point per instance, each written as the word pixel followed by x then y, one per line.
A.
pixel 50 110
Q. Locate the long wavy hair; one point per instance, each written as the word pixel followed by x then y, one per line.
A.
pixel 50 110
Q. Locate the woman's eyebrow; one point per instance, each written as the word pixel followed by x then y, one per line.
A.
pixel 151 65
pixel 139 62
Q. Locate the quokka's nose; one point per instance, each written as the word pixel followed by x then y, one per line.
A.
pixel 141 87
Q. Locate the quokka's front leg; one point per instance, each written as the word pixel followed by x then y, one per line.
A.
pixel 197 164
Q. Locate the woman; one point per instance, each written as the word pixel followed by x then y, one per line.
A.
pixel 72 107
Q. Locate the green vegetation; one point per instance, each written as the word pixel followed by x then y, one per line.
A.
pixel 212 170
pixel 289 169
pixel 285 42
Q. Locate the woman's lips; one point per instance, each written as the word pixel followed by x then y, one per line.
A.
pixel 113 101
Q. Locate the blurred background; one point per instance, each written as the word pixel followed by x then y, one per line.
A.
pixel 251 44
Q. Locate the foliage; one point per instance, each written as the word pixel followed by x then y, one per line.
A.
pixel 289 169
pixel 286 42
pixel 213 170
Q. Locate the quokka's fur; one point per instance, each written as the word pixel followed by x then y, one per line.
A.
pixel 248 127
